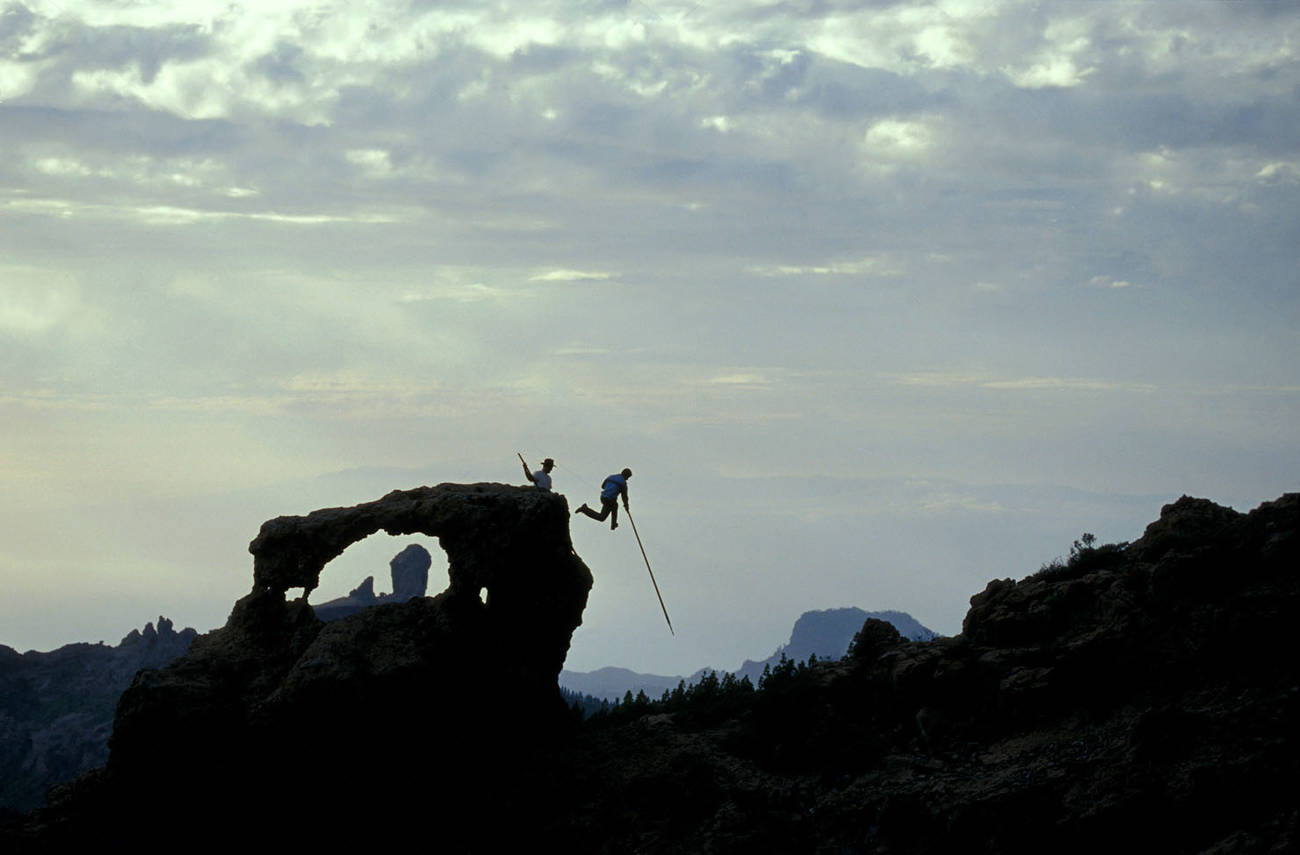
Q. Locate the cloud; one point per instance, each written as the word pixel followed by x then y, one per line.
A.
pixel 1109 282
pixel 566 275
pixel 170 215
pixel 868 266
pixel 748 381
pixel 1279 172
pixel 32 302
pixel 946 379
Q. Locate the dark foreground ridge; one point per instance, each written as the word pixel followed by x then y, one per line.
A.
pixel 1140 697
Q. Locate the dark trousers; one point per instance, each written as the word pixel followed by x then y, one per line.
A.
pixel 608 508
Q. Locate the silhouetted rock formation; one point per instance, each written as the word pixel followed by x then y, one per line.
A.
pixel 410 572
pixel 56 708
pixel 261 716
pixel 410 575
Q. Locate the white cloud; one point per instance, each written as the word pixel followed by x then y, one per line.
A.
pixel 868 266
pixel 32 302
pixel 1279 172
pixel 944 46
pixel 748 380
pixel 375 160
pixel 170 215
pixel 503 37
pixel 1049 71
pixel 63 166
pixel 581 351
pixel 899 140
pixel 567 275
pixel 16 79
pixel 949 379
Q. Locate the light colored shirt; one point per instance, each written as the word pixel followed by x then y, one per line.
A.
pixel 542 480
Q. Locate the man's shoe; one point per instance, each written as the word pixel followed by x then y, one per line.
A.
pixel 581 508
pixel 613 526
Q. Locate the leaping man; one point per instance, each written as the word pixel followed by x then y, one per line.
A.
pixel 610 490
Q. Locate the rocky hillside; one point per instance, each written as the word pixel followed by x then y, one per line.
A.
pixel 56 708
pixel 1139 698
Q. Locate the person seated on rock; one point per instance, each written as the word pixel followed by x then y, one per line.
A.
pixel 542 477
pixel 612 487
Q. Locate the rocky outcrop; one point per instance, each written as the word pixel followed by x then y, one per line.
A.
pixel 56 708
pixel 409 570
pixel 262 716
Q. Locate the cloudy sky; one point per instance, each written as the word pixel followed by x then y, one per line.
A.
pixel 879 300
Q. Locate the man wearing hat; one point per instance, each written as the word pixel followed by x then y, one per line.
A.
pixel 541 478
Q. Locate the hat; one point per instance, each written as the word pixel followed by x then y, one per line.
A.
pixel 548 462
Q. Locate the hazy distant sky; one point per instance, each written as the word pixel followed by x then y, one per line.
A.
pixel 878 300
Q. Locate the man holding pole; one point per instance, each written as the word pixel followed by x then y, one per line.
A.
pixel 613 487
pixel 541 478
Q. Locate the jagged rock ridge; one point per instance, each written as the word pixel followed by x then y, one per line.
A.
pixel 56 708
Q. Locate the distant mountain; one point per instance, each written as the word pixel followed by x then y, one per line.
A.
pixel 611 683
pixel 825 633
pixel 56 708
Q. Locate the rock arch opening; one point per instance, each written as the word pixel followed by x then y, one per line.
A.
pixel 381 568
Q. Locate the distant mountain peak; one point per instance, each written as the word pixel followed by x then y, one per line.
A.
pixel 825 633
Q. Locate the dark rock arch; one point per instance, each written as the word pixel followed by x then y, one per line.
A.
pixel 512 541
pixel 276 701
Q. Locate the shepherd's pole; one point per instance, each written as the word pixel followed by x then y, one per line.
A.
pixel 628 511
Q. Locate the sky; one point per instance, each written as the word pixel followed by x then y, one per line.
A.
pixel 878 300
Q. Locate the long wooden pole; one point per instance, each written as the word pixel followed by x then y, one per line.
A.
pixel 628 511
